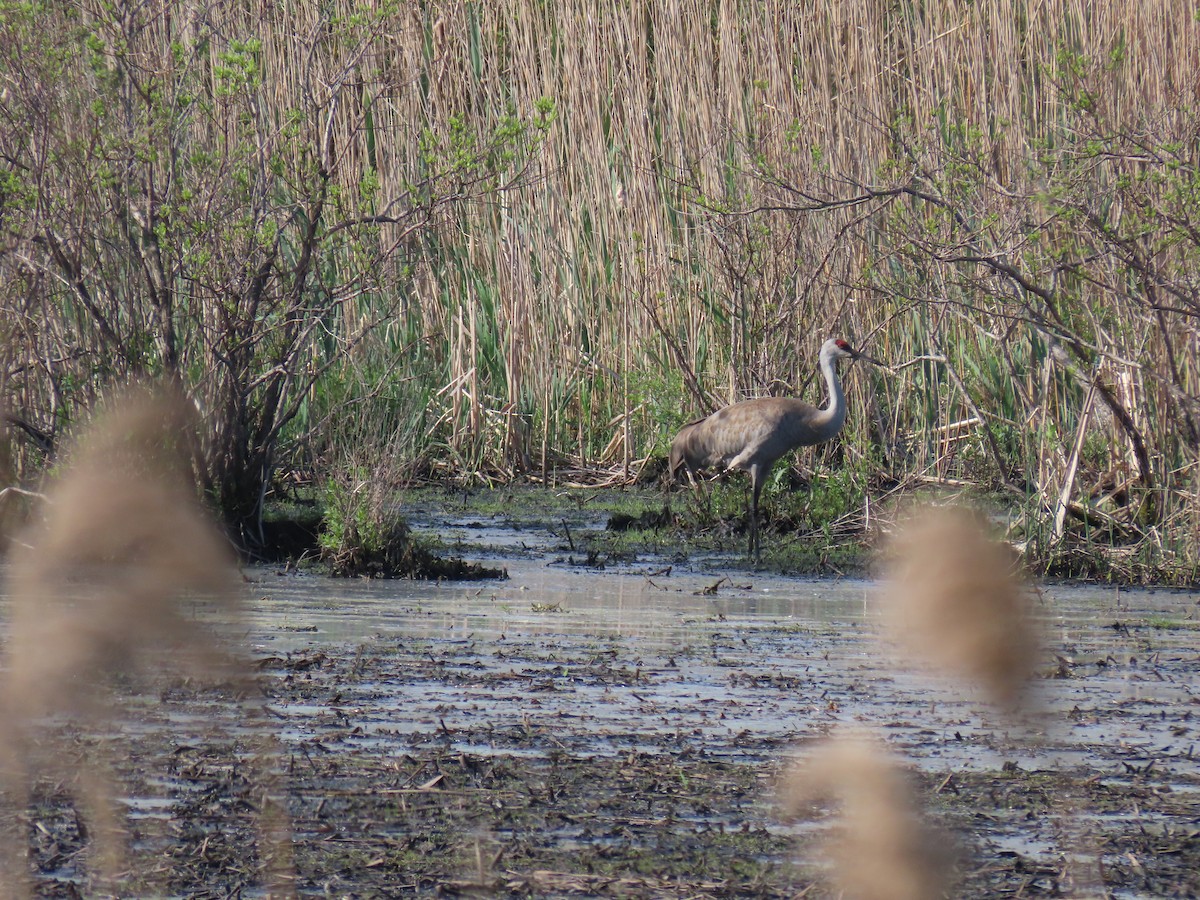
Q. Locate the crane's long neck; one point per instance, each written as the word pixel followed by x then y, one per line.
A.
pixel 829 420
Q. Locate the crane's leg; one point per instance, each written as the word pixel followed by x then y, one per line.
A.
pixel 757 476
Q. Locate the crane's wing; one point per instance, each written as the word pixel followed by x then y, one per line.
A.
pixel 754 432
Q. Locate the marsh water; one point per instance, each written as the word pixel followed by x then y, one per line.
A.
pixel 731 651
pixel 708 658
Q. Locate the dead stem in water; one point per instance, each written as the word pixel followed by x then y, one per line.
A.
pixel 882 849
pixel 105 591
pixel 953 599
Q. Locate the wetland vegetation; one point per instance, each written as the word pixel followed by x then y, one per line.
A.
pixel 377 243
pixel 611 720
pixel 402 288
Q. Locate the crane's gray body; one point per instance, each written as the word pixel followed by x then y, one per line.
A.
pixel 752 435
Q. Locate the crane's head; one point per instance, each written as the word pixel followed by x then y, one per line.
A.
pixel 836 348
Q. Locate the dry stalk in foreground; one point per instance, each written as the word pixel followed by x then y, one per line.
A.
pixel 954 600
pixel 882 849
pixel 105 590
pixel 115 573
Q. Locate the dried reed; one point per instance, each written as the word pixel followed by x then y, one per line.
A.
pixel 662 232
pixel 882 849
pixel 107 591
pixel 114 576
pixel 953 598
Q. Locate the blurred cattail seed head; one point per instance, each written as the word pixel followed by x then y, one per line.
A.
pixel 954 600
pixel 881 848
pixel 108 581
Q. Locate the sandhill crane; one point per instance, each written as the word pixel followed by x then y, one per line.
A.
pixel 753 434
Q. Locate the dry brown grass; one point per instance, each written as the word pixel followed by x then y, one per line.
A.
pixel 650 97
pixel 953 599
pixel 881 848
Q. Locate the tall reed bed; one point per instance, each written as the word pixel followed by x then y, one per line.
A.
pixel 998 199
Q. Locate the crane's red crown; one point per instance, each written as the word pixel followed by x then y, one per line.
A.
pixel 845 346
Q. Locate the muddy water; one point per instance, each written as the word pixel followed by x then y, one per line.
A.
pixel 771 656
pixel 750 667
pixel 725 663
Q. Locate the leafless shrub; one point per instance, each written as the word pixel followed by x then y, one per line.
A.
pixel 953 599
pixel 882 849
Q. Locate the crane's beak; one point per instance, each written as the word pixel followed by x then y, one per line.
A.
pixel 860 355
